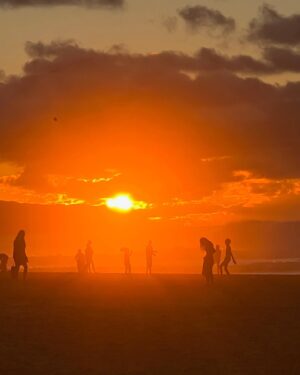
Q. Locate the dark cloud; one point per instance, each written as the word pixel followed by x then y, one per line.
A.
pixel 144 106
pixel 272 27
pixel 283 59
pixel 211 60
pixel 208 59
pixel 275 60
pixel 198 17
pixel 48 3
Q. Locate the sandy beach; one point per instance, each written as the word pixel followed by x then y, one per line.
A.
pixel 112 324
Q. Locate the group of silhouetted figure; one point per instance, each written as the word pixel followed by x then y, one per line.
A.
pixel 213 256
pixel 85 260
pixel 149 256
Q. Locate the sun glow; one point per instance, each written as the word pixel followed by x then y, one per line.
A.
pixel 120 202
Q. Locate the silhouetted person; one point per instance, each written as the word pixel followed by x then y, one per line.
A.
pixel 149 255
pixel 81 262
pixel 228 257
pixel 127 263
pixel 19 255
pixel 89 253
pixel 217 259
pixel 208 260
pixel 3 262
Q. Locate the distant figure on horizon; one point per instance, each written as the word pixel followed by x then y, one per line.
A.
pixel 217 259
pixel 19 255
pixel 127 263
pixel 89 255
pixel 228 257
pixel 3 262
pixel 208 260
pixel 149 256
pixel 81 262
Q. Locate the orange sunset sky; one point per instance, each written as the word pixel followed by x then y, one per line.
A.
pixel 190 107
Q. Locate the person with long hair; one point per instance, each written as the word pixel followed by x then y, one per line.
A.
pixel 19 255
pixel 208 260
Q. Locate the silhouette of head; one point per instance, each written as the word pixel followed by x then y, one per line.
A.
pixel 205 243
pixel 227 241
pixel 21 234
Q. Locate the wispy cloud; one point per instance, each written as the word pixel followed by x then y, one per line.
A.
pixel 199 17
pixel 52 3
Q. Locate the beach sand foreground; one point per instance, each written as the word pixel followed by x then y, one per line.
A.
pixel 164 324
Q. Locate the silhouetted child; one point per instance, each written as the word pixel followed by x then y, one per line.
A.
pixel 89 253
pixel 19 255
pixel 81 262
pixel 3 262
pixel 217 259
pixel 228 257
pixel 127 263
pixel 149 256
pixel 208 260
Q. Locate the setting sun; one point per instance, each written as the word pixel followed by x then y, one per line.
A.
pixel 121 202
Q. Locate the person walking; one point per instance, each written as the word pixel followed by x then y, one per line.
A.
pixel 228 257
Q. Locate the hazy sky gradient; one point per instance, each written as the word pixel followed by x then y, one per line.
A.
pixel 204 136
pixel 139 26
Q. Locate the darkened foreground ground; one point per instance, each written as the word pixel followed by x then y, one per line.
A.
pixel 109 324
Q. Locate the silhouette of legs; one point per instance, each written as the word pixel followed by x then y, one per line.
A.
pixel 225 266
pixel 25 270
pixel 127 268
pixel 91 266
pixel 88 266
pixel 207 271
pixel 149 268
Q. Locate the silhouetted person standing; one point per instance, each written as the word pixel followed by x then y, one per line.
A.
pixel 3 262
pixel 127 263
pixel 19 254
pixel 81 262
pixel 89 255
pixel 149 256
pixel 228 257
pixel 217 258
pixel 208 260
